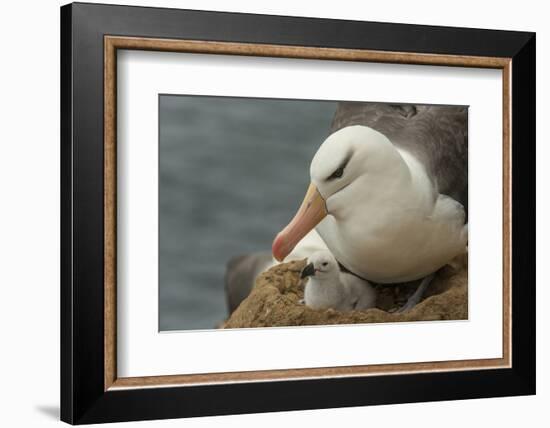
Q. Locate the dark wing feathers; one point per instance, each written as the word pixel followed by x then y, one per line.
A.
pixel 240 275
pixel 436 135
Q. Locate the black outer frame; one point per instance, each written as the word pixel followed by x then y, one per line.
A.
pixel 83 399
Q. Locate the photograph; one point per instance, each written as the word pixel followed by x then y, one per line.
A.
pixel 265 212
pixel 291 212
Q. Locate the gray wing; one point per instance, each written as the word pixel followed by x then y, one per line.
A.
pixel 436 135
pixel 240 275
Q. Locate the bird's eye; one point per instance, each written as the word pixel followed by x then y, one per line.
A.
pixel 325 263
pixel 337 173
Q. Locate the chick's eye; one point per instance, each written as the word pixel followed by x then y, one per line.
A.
pixel 337 173
pixel 325 263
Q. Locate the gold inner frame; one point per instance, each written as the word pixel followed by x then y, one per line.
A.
pixel 112 43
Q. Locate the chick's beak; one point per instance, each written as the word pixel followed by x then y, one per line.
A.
pixel 309 270
pixel 309 215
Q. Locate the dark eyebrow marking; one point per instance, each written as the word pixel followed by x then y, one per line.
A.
pixel 340 170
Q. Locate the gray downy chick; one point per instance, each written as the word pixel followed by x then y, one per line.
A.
pixel 328 287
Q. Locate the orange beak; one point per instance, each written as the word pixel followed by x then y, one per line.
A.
pixel 309 215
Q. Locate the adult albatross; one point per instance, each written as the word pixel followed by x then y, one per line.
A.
pixel 388 192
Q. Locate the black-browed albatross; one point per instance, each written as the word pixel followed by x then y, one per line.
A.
pixel 388 193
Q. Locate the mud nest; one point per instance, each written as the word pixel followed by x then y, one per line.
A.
pixel 274 301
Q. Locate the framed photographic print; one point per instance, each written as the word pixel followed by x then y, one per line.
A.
pixel 264 213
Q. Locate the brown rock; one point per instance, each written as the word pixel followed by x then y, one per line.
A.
pixel 275 300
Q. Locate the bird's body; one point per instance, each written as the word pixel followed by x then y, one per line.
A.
pixel 397 229
pixel 388 192
pixel 328 287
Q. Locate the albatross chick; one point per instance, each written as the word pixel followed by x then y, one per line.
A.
pixel 328 287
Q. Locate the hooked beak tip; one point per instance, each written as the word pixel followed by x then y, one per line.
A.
pixel 277 248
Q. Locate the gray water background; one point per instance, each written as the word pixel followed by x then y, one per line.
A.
pixel 233 171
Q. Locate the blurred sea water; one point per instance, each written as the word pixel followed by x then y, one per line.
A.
pixel 233 172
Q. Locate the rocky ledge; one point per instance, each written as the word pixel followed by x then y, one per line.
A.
pixel 275 300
